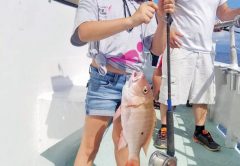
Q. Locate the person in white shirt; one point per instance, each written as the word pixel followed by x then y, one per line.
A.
pixel 192 65
pixel 118 32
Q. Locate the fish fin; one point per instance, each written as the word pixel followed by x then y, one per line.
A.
pixel 117 114
pixel 122 142
pixel 148 140
pixel 132 163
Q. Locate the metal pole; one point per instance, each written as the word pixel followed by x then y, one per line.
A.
pixel 234 58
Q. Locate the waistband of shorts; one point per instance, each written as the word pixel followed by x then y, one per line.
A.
pixel 93 71
pixel 194 50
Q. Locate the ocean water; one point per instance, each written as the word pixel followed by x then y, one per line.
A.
pixel 223 53
pixel 223 47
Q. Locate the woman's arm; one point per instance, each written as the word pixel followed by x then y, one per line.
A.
pixel 97 30
pixel 159 38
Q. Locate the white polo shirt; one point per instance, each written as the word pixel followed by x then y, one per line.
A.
pixel 195 20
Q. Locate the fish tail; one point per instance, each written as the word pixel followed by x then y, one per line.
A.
pixel 132 163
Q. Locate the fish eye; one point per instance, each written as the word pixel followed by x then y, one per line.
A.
pixel 145 90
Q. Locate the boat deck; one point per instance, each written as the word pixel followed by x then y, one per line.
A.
pixel 187 152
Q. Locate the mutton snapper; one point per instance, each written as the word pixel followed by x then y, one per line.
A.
pixel 137 116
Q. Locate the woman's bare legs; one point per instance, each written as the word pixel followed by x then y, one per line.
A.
pixel 92 135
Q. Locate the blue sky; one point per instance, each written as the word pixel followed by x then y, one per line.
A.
pixel 234 3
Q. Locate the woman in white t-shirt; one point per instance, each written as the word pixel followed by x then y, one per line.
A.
pixel 118 31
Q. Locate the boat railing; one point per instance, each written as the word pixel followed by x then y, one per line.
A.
pixel 231 25
pixel 233 69
pixel 226 110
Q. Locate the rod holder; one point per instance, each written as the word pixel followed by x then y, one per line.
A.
pixel 225 71
pixel 238 83
pixel 233 52
pixel 232 80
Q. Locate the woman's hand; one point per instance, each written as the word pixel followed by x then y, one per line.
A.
pixel 144 13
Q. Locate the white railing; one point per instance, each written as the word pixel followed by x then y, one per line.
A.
pixel 231 25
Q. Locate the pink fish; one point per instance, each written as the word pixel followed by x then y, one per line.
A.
pixel 137 117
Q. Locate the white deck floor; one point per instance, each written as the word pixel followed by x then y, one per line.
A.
pixel 188 153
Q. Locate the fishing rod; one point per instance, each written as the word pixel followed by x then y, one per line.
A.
pixel 158 158
pixel 170 123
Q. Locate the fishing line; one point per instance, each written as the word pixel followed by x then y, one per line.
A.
pixel 126 10
pixel 143 32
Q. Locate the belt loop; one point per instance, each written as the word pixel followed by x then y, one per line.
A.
pixel 90 69
pixel 115 79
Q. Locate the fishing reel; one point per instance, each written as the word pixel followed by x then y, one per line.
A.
pixel 160 159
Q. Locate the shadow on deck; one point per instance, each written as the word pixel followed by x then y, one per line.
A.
pixel 188 153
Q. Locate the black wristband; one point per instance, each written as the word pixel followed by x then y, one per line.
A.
pixel 154 59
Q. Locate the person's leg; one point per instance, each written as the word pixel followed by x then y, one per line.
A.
pixel 156 82
pixel 157 76
pixel 200 114
pixel 161 140
pixel 121 156
pixel 201 135
pixel 92 136
pixel 182 71
pixel 163 111
pixel 203 93
pixel 103 97
pixel 156 79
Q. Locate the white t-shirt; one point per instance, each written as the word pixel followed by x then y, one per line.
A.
pixel 195 20
pixel 123 50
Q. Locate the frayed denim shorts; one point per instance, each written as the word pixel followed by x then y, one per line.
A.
pixel 104 93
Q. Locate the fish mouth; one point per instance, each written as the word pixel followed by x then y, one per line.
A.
pixel 136 76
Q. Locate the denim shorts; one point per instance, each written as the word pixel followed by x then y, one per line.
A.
pixel 104 93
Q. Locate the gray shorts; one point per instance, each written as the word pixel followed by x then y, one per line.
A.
pixel 192 77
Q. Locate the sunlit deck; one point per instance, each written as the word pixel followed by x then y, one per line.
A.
pixel 188 153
